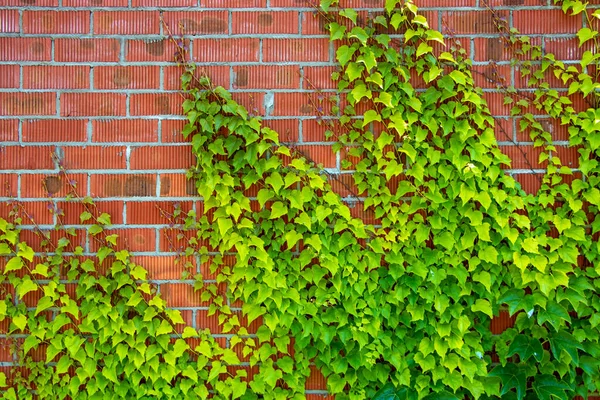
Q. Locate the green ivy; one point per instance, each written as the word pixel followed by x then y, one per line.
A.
pixel 396 309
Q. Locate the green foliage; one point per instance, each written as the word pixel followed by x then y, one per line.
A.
pixel 395 309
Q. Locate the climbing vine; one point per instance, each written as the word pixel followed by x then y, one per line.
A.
pixel 398 308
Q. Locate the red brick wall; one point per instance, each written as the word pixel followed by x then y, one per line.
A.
pixel 94 83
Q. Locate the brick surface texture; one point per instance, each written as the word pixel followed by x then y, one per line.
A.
pixel 93 84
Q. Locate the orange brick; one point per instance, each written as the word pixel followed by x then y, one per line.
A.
pixel 153 212
pixel 56 22
pixel 262 22
pixel 94 157
pixel 124 130
pixel 9 76
pixel 95 3
pixel 171 131
pixel 530 183
pixel 267 77
pixel 56 77
pixel 27 103
pixel 545 21
pixel 197 22
pixel 73 209
pixel 9 130
pixel 226 50
pixel 164 267
pixel 81 50
pixel 132 239
pixel 218 74
pixel 319 154
pixel 46 185
pixel 300 50
pixel 123 185
pixel 25 49
pixel 126 22
pixel 130 77
pixel 472 22
pixel 92 104
pixel 183 295
pixel 523 156
pixel 164 3
pixel 300 103
pixel 177 185
pixel 54 130
pixel 288 129
pixel 150 50
pixel 155 104
pixel 38 3
pixel 164 157
pixel 234 3
pixel 319 78
pixel 9 21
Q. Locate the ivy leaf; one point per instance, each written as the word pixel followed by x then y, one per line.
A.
pixel 370 116
pixel 553 313
pixel 443 395
pixel 14 264
pixel 483 306
pixel 390 392
pixel 278 209
pixel 2 379
pixel 562 340
pixel 526 347
pixel 548 388
pixel 25 286
pixel 511 377
pixel 20 321
pixel 585 34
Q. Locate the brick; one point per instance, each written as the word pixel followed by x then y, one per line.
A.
pixel 56 22
pixel 516 3
pixel 183 295
pixel 503 129
pixel 234 3
pixel 25 49
pixel 204 321
pixel 566 48
pixel 495 103
pixel 56 77
pixel 492 76
pixel 318 78
pixel 124 130
pixel 316 380
pixel 319 154
pixel 54 130
pixel 530 183
pixel 219 76
pixel 154 212
pixel 36 3
pixel 9 21
pixel 550 125
pixel 94 157
pixel 163 267
pixel 150 50
pixel 46 185
pixel 92 104
pixel 132 239
pixel 496 49
pixel 471 22
pixel 314 23
pixel 545 21
pixel 177 185
pixel 171 131
pixel 445 3
pixel 288 129
pixel 9 76
pixel 82 50
pixel 126 22
pixel 523 156
pixel 299 50
pixel 123 185
pixel 252 101
pixel 32 210
pixel 164 3
pixel 95 3
pixel 29 157
pixel 129 77
pixel 9 130
pixel 226 50
pixel 175 240
pixel 155 104
pixel 27 103
pixel 264 22
pixel 164 157
pixel 300 104
pixel 197 22
pixel 267 77
pixel 8 187
pixel 313 130
pixel 74 209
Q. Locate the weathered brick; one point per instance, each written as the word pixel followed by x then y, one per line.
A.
pixel 56 77
pixel 86 49
pixel 54 130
